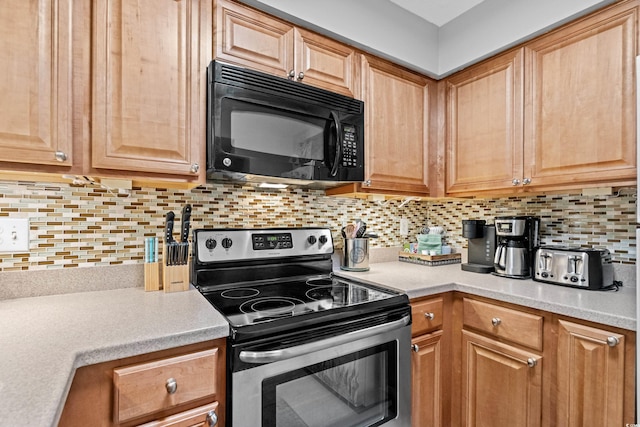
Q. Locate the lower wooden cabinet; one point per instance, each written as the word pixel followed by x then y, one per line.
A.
pixel 178 387
pixel 591 376
pixel 481 362
pixel 501 384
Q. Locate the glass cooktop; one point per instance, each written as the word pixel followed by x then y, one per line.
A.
pixel 253 304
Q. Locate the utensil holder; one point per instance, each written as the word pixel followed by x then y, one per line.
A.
pixel 356 254
pixel 152 276
pixel 175 278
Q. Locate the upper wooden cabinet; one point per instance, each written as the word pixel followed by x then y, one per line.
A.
pixel 558 113
pixel 397 108
pixel 253 39
pixel 580 109
pixel 36 102
pixel 484 125
pixel 149 85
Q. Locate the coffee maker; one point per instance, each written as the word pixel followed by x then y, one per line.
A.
pixel 518 237
pixel 481 247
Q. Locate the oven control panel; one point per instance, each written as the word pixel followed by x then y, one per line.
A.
pixel 224 245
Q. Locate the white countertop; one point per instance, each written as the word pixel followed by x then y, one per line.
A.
pixel 606 307
pixel 44 339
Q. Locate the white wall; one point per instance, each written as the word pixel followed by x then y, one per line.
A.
pixel 495 25
pixel 381 27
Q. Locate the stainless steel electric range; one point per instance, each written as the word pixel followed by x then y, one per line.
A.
pixel 306 348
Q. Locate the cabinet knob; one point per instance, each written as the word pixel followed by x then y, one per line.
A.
pixel 61 156
pixel 415 348
pixel 515 181
pixel 531 362
pixel 613 341
pixel 292 74
pixel 496 321
pixel 171 385
pixel 526 181
pixel 300 75
pixel 195 168
pixel 367 183
pixel 429 316
pixel 212 419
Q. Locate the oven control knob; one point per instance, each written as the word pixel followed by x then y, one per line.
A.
pixel 311 239
pixel 226 243
pixel 211 244
pixel 323 240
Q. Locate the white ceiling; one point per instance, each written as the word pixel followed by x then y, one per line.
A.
pixel 438 12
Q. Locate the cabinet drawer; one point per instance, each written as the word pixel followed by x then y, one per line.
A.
pixel 150 387
pixel 516 326
pixel 426 316
pixel 198 417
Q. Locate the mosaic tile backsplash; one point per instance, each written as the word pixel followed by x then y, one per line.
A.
pixel 78 226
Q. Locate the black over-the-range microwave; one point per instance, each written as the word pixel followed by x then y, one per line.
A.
pixel 263 128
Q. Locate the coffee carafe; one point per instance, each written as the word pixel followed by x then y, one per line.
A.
pixel 518 237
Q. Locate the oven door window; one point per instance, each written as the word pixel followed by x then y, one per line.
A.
pixel 357 389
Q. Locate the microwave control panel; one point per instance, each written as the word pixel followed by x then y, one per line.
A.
pixel 349 146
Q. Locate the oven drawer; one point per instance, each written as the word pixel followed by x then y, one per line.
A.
pixel 154 386
pixel 516 326
pixel 426 316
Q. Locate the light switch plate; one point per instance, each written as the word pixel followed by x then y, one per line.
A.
pixel 404 226
pixel 14 234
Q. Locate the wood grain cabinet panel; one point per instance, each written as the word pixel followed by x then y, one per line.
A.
pixel 501 386
pixel 591 376
pixel 36 102
pixel 581 109
pixel 426 316
pixel 150 387
pixel 149 85
pixel 484 106
pixel 250 38
pixel 427 387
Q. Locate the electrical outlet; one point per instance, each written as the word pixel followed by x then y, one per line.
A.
pixel 14 234
pixel 404 226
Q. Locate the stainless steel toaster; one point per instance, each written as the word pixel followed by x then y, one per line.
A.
pixel 573 266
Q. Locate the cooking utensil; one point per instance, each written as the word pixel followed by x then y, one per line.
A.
pixel 349 231
pixel 186 219
pixel 361 229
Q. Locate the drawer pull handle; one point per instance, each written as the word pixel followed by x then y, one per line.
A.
pixel 531 362
pixel 496 321
pixel 429 316
pixel 171 385
pixel 613 341
pixel 415 348
pixel 212 419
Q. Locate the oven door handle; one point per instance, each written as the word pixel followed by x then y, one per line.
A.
pixel 288 353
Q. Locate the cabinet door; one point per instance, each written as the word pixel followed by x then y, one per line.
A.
pixel 324 63
pixel 591 376
pixel 36 101
pixel 501 384
pixel 426 404
pixel 247 37
pixel 580 115
pixel 149 85
pixel 397 123
pixel 484 126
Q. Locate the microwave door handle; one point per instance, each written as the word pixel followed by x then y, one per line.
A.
pixel 336 160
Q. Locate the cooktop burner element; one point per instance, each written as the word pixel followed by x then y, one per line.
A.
pixel 263 289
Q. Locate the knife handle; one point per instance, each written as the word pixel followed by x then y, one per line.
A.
pixel 169 227
pixel 186 219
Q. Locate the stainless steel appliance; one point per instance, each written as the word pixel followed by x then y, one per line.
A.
pixel 263 128
pixel 574 266
pixel 518 237
pixel 305 347
pixel 481 245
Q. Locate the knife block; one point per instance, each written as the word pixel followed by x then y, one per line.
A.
pixel 152 276
pixel 175 278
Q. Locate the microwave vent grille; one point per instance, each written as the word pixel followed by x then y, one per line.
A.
pixel 283 87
